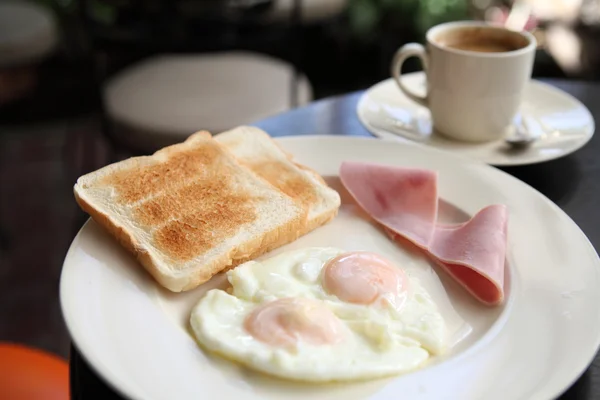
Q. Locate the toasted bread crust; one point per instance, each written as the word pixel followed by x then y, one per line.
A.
pixel 277 166
pixel 187 278
pixel 255 248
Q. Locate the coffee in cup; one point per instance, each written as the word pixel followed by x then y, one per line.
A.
pixel 476 75
pixel 480 39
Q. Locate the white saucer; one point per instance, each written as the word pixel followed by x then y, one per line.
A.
pixel 566 124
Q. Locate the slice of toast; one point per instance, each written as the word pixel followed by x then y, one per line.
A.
pixel 259 152
pixel 189 211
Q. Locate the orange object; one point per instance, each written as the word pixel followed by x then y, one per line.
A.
pixel 30 374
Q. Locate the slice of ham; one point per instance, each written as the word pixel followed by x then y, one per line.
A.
pixel 405 202
pixel 400 198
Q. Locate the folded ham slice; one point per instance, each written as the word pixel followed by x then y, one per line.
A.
pixel 405 202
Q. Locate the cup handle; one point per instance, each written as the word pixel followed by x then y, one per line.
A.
pixel 403 53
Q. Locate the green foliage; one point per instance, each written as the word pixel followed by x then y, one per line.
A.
pixel 435 12
pixel 59 6
pixel 101 11
pixel 366 17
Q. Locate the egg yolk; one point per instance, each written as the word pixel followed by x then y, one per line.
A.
pixel 287 321
pixel 363 278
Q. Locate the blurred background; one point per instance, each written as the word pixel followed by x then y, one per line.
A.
pixel 86 82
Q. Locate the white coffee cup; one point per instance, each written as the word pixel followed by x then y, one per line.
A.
pixel 476 75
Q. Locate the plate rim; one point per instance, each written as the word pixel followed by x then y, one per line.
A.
pixel 533 82
pixel 122 387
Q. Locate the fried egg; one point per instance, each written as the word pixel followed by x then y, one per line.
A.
pixel 321 314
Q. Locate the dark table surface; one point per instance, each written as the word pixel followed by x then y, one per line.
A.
pixel 572 182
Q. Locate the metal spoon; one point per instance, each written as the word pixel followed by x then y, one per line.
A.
pixel 400 129
pixel 527 131
pixel 524 134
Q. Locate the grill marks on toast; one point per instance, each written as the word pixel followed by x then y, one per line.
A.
pixel 140 183
pixel 189 203
pixel 192 213
pixel 185 238
pixel 265 157
pixel 204 193
pixel 284 178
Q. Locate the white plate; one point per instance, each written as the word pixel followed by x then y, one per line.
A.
pixel 136 335
pixel 565 123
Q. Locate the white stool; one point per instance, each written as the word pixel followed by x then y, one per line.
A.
pixel 27 32
pixel 164 99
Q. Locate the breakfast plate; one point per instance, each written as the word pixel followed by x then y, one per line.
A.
pixel 137 335
pixel 562 122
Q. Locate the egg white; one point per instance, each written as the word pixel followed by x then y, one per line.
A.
pixel 379 340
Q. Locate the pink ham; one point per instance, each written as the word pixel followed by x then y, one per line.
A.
pixel 405 202
pixel 402 198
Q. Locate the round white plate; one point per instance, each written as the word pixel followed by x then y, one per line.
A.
pixel 136 335
pixel 565 124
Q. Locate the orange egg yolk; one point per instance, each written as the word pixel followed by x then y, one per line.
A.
pixel 285 322
pixel 363 278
